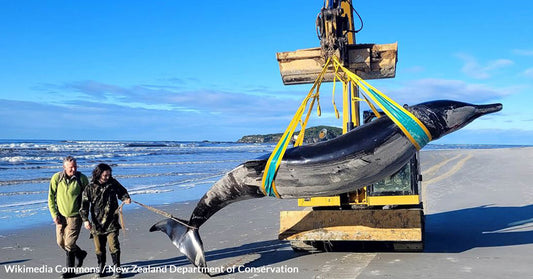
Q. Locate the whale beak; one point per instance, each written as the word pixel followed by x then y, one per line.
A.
pixel 486 109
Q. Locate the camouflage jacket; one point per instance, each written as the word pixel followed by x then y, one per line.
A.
pixel 101 202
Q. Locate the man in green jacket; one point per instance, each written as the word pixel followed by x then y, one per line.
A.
pixel 64 201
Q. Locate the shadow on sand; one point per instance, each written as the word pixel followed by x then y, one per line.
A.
pixel 485 226
pixel 14 262
pixel 447 232
pixel 255 254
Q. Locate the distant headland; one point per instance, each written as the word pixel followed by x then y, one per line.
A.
pixel 312 135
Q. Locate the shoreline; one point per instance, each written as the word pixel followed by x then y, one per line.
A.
pixel 20 220
pixel 46 222
pixel 478 206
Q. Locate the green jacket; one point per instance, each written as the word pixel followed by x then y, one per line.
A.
pixel 64 194
pixel 101 202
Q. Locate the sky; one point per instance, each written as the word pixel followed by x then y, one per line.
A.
pixel 166 70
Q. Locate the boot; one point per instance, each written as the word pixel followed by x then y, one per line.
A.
pixel 117 272
pixel 101 264
pixel 80 256
pixel 71 257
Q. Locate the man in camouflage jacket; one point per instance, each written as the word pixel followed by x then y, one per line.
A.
pixel 100 200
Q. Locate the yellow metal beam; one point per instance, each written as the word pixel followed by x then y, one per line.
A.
pixel 393 200
pixel 320 201
pixel 358 225
pixel 346 108
pixel 369 61
pixel 346 6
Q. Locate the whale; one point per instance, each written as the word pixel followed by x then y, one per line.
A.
pixel 343 164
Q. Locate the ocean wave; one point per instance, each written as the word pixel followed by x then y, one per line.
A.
pixel 141 192
pixel 58 159
pixel 192 181
pixel 24 203
pixel 23 193
pixel 24 181
pixel 89 156
pixel 193 185
pixel 91 141
pixel 46 180
pixel 157 170
pixel 19 149
pixel 146 145
pixel 57 165
pixel 22 145
pixel 149 164
pixel 13 160
pixel 159 174
pixel 43 152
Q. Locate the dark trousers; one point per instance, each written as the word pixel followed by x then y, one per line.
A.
pixel 100 241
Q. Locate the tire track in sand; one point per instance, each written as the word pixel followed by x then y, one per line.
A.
pixel 435 168
pixel 449 173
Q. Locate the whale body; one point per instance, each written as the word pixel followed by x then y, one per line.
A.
pixel 344 164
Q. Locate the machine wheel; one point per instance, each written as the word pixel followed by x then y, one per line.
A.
pixel 408 246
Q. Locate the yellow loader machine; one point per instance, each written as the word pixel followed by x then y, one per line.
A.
pixel 389 212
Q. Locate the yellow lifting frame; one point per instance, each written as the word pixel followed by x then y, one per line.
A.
pixel 327 225
pixel 350 114
pixel 350 119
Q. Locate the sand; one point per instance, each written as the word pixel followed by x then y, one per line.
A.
pixel 479 216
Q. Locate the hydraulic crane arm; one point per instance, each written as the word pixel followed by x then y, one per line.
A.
pixel 335 28
pixel 336 32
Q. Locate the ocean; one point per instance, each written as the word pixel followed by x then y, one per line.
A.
pixel 154 172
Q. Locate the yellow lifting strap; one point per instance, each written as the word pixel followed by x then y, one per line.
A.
pixel 415 130
pixel 411 126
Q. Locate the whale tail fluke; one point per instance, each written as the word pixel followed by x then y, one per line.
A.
pixel 186 239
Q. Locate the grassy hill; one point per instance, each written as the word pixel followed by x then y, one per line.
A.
pixel 311 135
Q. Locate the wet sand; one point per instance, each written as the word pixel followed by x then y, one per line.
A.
pixel 479 217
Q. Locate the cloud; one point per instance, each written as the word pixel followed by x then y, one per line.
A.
pixel 92 120
pixel 422 90
pixel 524 52
pixel 528 73
pixel 474 69
pixel 259 103
pixel 107 111
pixel 252 101
pixel 97 110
